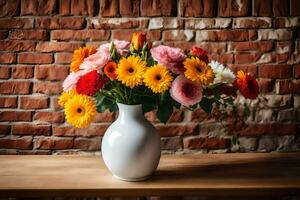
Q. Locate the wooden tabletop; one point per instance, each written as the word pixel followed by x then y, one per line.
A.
pixel 177 175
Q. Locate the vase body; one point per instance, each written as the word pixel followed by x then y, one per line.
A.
pixel 131 145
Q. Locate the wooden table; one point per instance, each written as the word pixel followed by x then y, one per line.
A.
pixel 245 174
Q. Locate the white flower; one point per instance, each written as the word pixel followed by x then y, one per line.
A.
pixel 222 74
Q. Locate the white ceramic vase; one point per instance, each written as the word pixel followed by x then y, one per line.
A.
pixel 131 145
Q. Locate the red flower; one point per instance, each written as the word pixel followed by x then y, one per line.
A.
pixel 90 83
pixel 247 85
pixel 110 70
pixel 200 53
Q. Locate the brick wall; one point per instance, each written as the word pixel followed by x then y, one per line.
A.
pixel 37 38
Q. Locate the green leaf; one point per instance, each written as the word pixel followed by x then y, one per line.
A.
pixel 246 111
pixel 235 140
pixel 147 106
pixel 165 108
pixel 206 104
pixel 164 112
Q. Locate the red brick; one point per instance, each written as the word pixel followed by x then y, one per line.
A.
pixel 179 35
pixel 7 58
pixel 109 8
pixel 297 71
pixel 16 142
pixel 53 143
pixel 47 87
pixel 15 87
pixel 112 23
pixel 274 34
pixel 77 7
pixel 235 8
pixel 106 116
pixel 35 58
pixel 287 22
pixel 4 72
pixel 263 46
pixel 6 23
pixel 225 58
pixel 33 102
pixel 57 46
pixel 31 129
pixel 22 72
pixel 52 73
pixel 28 35
pixel 9 7
pixel 224 35
pixel 3 34
pixel 252 23
pixel 154 35
pixel 172 144
pixel 176 130
pixel 38 7
pixel 197 8
pixel 153 8
pixel 206 143
pixel 266 85
pixel 122 34
pixel 129 8
pixel 271 129
pixel 199 115
pixel 90 35
pixel 51 117
pixel 288 87
pixel 15 45
pixel 63 58
pixel 60 23
pixel 295 8
pixel 262 8
pixel 91 131
pixel 246 57
pixel 280 8
pixel 4 129
pixel 15 116
pixel 8 102
pixel 275 71
pixel 87 144
pixel 249 68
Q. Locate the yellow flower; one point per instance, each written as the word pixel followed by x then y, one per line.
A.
pixel 79 55
pixel 158 78
pixel 80 111
pixel 198 71
pixel 65 96
pixel 130 71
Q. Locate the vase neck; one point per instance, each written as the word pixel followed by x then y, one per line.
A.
pixel 129 112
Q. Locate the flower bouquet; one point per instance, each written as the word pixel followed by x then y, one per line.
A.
pixel 134 75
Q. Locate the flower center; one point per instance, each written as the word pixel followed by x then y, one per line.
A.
pixel 130 70
pixel 79 110
pixel 199 69
pixel 158 77
pixel 111 70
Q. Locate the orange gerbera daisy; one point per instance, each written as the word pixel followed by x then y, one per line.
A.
pixel 79 55
pixel 247 85
pixel 110 70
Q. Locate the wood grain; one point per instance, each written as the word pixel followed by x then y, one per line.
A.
pixel 177 175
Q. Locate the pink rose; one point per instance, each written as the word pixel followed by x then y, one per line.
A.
pixel 122 47
pixel 95 61
pixel 171 57
pixel 72 79
pixel 186 91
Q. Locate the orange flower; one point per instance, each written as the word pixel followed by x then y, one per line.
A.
pixel 110 70
pixel 138 40
pixel 79 55
pixel 247 85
